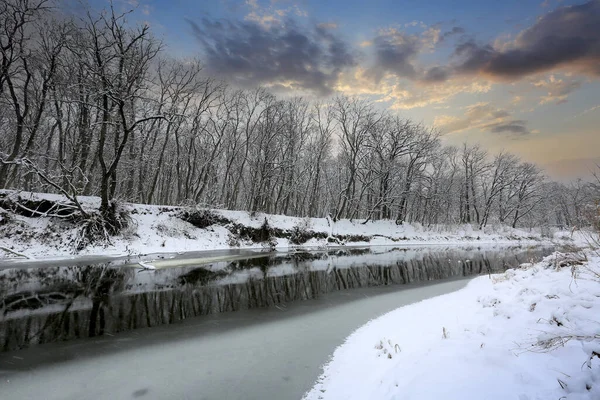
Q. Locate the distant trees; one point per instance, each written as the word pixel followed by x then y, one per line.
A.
pixel 523 195
pixel 28 61
pixel 596 203
pixel 94 106
pixel 356 119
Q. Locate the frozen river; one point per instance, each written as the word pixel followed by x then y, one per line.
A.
pixel 289 314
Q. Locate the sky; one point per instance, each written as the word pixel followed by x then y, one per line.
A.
pixel 521 76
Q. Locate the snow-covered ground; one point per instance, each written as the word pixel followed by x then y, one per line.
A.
pixel 158 229
pixel 529 334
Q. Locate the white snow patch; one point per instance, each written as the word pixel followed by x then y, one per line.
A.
pixel 157 229
pixel 482 342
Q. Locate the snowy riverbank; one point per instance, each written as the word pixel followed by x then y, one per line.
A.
pixel 527 334
pixel 156 229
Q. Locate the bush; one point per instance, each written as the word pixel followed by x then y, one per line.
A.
pixel 203 218
pixel 5 217
pixel 233 240
pixel 92 230
pixel 98 227
pixel 301 233
pixel 265 233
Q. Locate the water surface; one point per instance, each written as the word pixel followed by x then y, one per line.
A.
pixel 271 347
pixel 40 304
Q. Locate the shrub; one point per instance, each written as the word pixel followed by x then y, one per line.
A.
pixel 202 218
pixel 233 240
pixel 5 217
pixel 98 227
pixel 265 233
pixel 301 232
pixel 299 235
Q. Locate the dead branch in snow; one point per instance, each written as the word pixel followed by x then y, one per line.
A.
pixel 16 253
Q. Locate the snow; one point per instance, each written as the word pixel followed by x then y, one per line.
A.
pixel 145 265
pixel 490 340
pixel 157 229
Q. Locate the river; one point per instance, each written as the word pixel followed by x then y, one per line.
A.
pixel 251 326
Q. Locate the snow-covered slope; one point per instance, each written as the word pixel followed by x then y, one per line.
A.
pixel 528 334
pixel 160 229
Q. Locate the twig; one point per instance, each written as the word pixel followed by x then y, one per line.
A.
pixel 47 213
pixel 6 249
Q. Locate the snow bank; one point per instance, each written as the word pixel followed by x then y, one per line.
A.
pixel 158 229
pixel 495 339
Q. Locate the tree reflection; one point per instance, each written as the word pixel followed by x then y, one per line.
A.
pixel 58 303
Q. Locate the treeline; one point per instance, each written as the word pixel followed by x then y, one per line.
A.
pixel 95 106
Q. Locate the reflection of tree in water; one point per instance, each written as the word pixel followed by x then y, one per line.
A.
pixel 99 300
pixel 200 276
pixel 62 296
pixel 53 289
pixel 99 284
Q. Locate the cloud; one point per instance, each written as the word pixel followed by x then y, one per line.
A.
pixel 406 94
pixel 268 16
pixel 328 25
pixel 271 48
pixel 565 38
pixel 485 117
pixel 435 74
pixel 568 36
pixel 557 89
pixel 274 54
pixel 457 30
pixel 262 19
pixel 414 24
pixel 515 126
pixel 430 38
pixel 395 53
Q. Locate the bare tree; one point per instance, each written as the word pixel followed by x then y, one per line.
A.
pixel 356 118
pixel 425 142
pixel 500 178
pixel 27 65
pixel 320 144
pixel 118 58
pixel 474 164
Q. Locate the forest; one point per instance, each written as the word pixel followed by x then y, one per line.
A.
pixel 93 105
